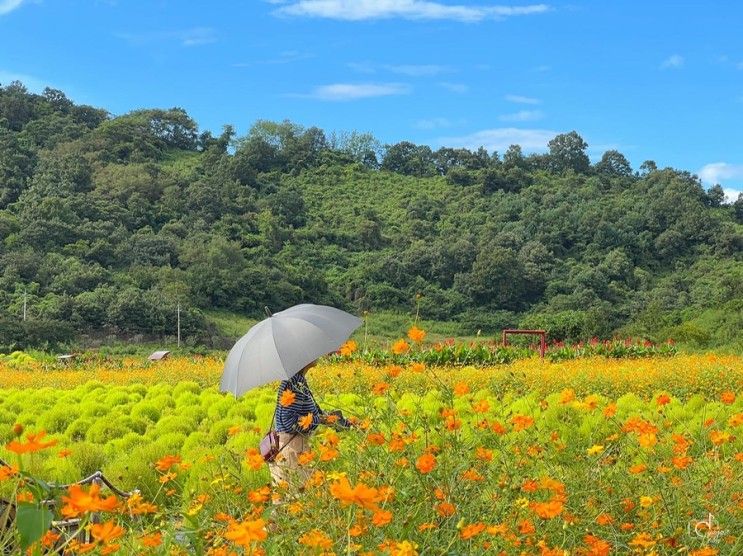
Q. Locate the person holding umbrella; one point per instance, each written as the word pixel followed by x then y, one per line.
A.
pixel 284 347
pixel 296 417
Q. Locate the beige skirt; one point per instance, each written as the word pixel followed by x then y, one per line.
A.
pixel 286 473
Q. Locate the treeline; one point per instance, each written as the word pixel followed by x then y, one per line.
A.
pixel 108 223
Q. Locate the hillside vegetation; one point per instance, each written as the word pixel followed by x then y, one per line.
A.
pixel 107 223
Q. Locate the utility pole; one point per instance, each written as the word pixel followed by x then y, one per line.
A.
pixel 179 324
pixel 25 296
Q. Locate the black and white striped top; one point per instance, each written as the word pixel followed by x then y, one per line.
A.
pixel 287 417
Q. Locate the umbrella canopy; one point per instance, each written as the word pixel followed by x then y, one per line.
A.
pixel 281 345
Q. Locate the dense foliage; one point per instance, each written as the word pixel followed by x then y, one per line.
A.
pixel 108 223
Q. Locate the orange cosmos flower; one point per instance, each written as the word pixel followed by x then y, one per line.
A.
pixel 7 471
pixel 63 453
pixel 416 334
pixel 471 530
pixel 394 371
pixel 526 527
pixel 348 348
pixel 610 410
pixel 727 397
pixel 254 459
pixel 472 475
pixel 426 463
pixel 78 501
pixel 720 437
pixel 647 439
pixel 735 420
pixel 136 505
pixel 461 388
pixel 106 532
pixel 166 462
pixel 260 495
pixel 547 510
pixel 446 509
pixel 381 518
pixel 663 399
pixel 287 398
pixel 361 494
pixel 380 388
pixel 34 443
pixel 151 541
pixel 246 532
pixel 642 540
pixel 306 421
pixel 604 519
pixel 316 539
pixel 481 406
pixel 50 538
pixel 376 438
pixel 417 367
pixel 638 468
pixel 706 551
pixel 567 396
pixel 400 347
pixel 521 422
pixel 483 454
pixel 305 457
pixel 681 462
pixel 596 546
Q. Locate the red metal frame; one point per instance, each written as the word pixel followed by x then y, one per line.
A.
pixel 541 333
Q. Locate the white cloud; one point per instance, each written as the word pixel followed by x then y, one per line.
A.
pixel 358 10
pixel 356 91
pixel 500 139
pixel 286 57
pixel 195 36
pixel 522 116
pixel 7 6
pixel 520 99
pixel 717 171
pixel 417 70
pixel 437 123
pixel 731 195
pixel 460 88
pixel 673 62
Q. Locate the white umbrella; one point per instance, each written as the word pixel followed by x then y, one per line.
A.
pixel 281 345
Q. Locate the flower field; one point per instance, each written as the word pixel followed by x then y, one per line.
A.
pixel 588 456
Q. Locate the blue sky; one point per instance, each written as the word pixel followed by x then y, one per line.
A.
pixel 655 80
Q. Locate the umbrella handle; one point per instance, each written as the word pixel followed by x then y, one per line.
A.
pixel 268 311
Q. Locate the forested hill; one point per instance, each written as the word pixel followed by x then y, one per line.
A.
pixel 107 223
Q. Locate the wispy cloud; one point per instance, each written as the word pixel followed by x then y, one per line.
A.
pixel 359 10
pixel 459 88
pixel 33 84
pixel 417 70
pixel 7 6
pixel 437 123
pixel 519 99
pixel 411 70
pixel 354 91
pixel 499 139
pixel 286 57
pixel 522 116
pixel 674 61
pixel 196 36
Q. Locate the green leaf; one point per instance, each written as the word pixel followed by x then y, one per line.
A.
pixel 32 522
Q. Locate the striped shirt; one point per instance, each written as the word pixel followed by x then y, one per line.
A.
pixel 287 417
